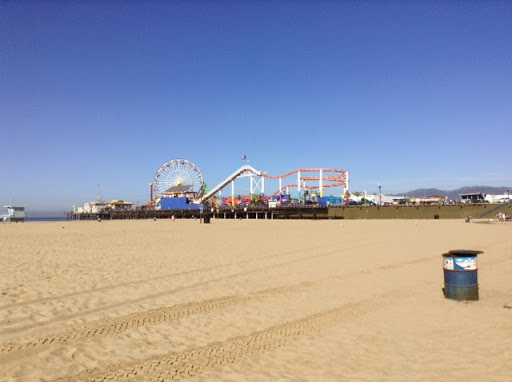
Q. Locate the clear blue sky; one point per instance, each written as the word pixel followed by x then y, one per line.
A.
pixel 406 93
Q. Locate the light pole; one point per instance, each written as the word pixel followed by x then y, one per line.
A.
pixel 380 195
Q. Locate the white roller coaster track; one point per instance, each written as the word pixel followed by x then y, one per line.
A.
pixel 241 172
pixel 338 180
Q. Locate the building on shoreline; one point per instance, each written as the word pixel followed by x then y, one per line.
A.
pixel 100 206
pixel 478 197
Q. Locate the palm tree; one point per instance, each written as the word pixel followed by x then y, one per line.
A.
pixel 358 194
pixel 257 200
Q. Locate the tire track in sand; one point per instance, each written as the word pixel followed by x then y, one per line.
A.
pixel 150 317
pixel 69 316
pixel 175 366
pixel 161 277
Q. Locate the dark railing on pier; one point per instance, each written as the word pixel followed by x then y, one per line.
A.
pixel 260 212
pixel 494 210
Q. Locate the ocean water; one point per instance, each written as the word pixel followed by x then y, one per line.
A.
pixel 48 219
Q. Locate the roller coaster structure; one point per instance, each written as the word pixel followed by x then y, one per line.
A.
pixel 326 178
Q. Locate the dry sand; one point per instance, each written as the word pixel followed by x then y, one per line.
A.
pixel 251 301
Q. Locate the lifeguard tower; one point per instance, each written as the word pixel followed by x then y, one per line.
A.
pixel 14 214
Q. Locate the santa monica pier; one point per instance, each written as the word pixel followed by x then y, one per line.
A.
pixel 178 190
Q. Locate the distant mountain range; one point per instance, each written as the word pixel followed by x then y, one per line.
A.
pixel 455 194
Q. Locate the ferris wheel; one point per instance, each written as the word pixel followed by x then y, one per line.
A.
pixel 177 176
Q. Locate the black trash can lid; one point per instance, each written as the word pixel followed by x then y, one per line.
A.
pixel 463 253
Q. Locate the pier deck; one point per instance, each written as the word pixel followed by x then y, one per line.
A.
pixel 224 213
pixel 452 211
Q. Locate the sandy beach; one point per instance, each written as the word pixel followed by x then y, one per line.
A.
pixel 251 300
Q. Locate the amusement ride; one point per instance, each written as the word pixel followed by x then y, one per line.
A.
pixel 181 178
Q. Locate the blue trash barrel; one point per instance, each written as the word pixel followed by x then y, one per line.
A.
pixel 461 275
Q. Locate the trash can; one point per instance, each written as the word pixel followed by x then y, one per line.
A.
pixel 206 219
pixel 460 270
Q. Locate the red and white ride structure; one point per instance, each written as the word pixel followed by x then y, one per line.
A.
pixel 322 178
